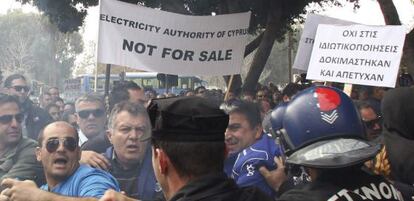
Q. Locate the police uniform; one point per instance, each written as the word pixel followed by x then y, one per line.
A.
pixel 346 184
pixel 196 119
pixel 323 132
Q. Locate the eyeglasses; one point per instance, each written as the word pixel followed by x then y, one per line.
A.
pixel 96 113
pixel 5 119
pixel 371 124
pixel 69 143
pixel 20 88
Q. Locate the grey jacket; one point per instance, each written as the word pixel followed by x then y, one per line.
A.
pixel 20 162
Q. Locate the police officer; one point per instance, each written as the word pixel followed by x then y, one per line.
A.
pixel 323 132
pixel 188 152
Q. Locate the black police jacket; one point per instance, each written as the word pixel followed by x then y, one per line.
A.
pixel 344 185
pixel 36 119
pixel 218 187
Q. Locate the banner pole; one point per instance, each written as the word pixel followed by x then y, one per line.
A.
pixel 229 87
pixel 348 89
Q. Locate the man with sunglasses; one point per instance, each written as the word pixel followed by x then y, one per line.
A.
pixel 66 179
pixel 17 159
pixel 122 91
pixel 91 117
pixel 371 120
pixel 35 118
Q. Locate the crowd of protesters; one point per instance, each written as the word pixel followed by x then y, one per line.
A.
pixel 302 141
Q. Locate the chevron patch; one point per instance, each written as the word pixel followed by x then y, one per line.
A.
pixel 330 118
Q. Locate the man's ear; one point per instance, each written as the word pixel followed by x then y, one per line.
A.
pixel 163 160
pixel 109 135
pixel 258 130
pixel 38 154
pixel 77 118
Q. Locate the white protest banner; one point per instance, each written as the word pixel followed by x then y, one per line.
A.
pixel 308 36
pixel 357 54
pixel 153 40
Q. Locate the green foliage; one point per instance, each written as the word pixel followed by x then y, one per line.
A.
pixel 34 47
pixel 70 14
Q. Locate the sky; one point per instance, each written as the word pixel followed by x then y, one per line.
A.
pixel 369 13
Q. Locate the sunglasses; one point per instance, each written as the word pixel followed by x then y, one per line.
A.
pixel 52 144
pixel 96 113
pixel 20 88
pixel 371 124
pixel 5 119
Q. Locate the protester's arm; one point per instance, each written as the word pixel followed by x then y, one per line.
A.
pixel 28 191
pixel 96 183
pixel 95 160
pixel 111 195
pixel 25 164
pixel 275 178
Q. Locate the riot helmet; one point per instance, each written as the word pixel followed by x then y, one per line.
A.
pixel 322 129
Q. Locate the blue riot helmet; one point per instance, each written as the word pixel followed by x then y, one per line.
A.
pixel 276 117
pixel 322 129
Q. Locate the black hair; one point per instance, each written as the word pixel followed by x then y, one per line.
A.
pixel 4 98
pixel 193 159
pixel 249 109
pixel 120 92
pixel 10 78
pixel 291 89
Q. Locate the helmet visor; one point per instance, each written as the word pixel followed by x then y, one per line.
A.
pixel 335 153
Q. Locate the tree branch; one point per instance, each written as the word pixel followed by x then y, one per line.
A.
pixel 253 45
pixel 390 12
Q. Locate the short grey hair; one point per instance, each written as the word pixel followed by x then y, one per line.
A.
pixel 90 98
pixel 135 109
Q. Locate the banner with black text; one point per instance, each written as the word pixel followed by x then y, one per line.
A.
pixel 158 41
pixel 357 54
pixel 308 37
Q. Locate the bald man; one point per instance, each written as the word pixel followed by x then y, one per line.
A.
pixel 59 154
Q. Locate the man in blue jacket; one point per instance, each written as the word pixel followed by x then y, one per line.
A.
pixel 249 148
pixel 66 179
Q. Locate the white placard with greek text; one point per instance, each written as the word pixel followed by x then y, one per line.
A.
pixel 308 37
pixel 357 54
pixel 153 40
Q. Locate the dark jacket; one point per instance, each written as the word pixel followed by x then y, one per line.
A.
pixel 98 144
pixel 342 184
pixel 36 119
pixel 20 162
pixel 217 187
pixel 398 131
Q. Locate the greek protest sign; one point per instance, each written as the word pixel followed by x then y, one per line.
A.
pixel 308 37
pixel 357 54
pixel 153 40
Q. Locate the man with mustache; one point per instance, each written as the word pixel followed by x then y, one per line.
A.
pixel 188 152
pixel 66 179
pixel 130 157
pixel 17 153
pixel 249 148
